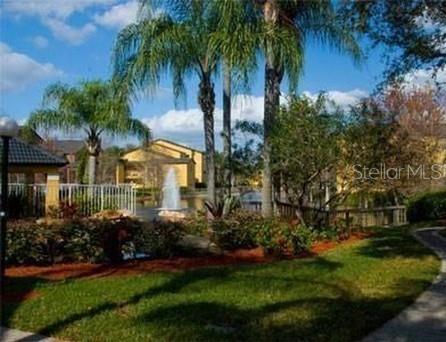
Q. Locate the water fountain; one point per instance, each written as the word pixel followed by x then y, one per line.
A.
pixel 171 205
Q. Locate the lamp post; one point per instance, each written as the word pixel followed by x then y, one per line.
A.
pixel 8 129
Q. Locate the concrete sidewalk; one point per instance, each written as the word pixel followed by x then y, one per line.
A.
pixel 12 335
pixel 425 319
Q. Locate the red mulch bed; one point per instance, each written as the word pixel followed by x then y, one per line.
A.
pixel 83 270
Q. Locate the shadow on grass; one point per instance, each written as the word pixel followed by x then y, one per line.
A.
pixel 392 243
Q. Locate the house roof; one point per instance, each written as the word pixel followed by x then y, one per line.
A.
pixel 67 146
pixel 160 157
pixel 177 144
pixel 21 154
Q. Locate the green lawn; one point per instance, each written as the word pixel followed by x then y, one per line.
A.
pixel 340 296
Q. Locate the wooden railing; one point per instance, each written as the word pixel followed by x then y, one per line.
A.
pixel 364 217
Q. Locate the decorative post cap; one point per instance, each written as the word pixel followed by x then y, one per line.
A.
pixel 8 127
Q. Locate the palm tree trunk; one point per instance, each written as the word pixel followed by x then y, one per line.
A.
pixel 227 129
pixel 92 163
pixel 271 103
pixel 93 144
pixel 206 99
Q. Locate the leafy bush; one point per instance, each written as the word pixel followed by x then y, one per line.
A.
pixel 197 224
pixel 236 231
pixel 247 229
pixel 428 206
pixel 157 238
pixel 281 238
pixel 27 242
pixel 88 240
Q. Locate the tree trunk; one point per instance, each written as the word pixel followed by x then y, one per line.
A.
pixel 93 145
pixel 206 99
pixel 92 162
pixel 227 129
pixel 271 104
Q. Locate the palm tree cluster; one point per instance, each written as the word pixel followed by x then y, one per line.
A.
pixel 91 107
pixel 201 37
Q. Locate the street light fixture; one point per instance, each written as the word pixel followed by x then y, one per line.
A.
pixel 8 129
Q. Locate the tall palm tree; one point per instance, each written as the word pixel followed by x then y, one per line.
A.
pixel 177 41
pixel 227 128
pixel 288 24
pixel 93 108
pixel 235 40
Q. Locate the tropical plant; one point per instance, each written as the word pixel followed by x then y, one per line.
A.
pixel 177 41
pixel 235 41
pixel 93 108
pixel 288 23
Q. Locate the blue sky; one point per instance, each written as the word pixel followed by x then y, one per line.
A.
pixel 43 41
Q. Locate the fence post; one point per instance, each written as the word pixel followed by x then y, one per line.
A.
pixel 102 197
pixel 395 218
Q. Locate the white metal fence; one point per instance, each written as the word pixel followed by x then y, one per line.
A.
pixel 91 199
pixel 29 200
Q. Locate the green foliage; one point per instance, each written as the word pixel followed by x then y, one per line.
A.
pixel 313 299
pixel 412 31
pixel 197 224
pixel 238 230
pixel 307 144
pixel 282 238
pixel 247 229
pixel 222 207
pixel 88 240
pixel 29 242
pixel 158 239
pixel 93 107
pixel 427 206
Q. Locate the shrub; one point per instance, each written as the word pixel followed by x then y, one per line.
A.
pixel 197 224
pixel 88 240
pixel 27 242
pixel 280 238
pixel 157 238
pixel 428 206
pixel 236 231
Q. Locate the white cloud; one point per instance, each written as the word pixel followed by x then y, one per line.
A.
pixel 19 70
pixel 190 121
pixel 244 107
pixel 423 77
pixel 55 14
pixel 119 15
pixel 61 9
pixel 39 42
pixel 344 99
pixel 68 33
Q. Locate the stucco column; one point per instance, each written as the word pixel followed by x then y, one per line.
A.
pixel 52 190
pixel 120 173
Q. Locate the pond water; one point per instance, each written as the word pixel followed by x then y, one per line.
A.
pixel 149 210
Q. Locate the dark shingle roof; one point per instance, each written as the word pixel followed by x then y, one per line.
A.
pixel 21 153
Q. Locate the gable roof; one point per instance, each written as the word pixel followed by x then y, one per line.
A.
pixel 21 153
pixel 160 157
pixel 176 144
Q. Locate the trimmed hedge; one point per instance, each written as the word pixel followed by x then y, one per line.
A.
pixel 246 229
pixel 91 240
pixel 428 206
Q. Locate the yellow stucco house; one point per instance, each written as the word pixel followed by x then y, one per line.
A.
pixel 147 166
